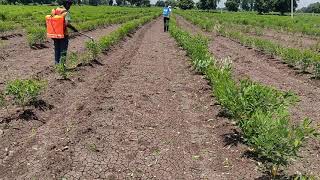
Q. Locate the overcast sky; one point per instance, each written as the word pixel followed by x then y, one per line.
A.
pixel 302 3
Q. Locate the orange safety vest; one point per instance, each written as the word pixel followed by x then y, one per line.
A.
pixel 56 26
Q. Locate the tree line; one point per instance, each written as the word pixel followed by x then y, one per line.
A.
pixel 87 2
pixel 261 6
pixel 312 8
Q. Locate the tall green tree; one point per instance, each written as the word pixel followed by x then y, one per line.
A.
pixel 172 3
pixel 145 3
pixel 160 3
pixel 120 2
pixel 185 4
pixel 312 8
pixel 208 4
pixel 25 1
pixel 232 5
pixel 252 3
pixel 263 6
pixel 283 6
pixel 94 2
pixel 245 5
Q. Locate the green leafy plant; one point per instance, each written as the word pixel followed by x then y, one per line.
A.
pixel 316 47
pixel 73 59
pixel 36 35
pixel 260 111
pixel 305 177
pixel 292 56
pixel 24 91
pixel 305 64
pixel 61 69
pixel 94 49
pixel 316 67
pixel 93 147
pixel 274 139
pixel 258 31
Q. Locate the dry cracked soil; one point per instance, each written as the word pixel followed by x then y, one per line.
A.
pixel 143 114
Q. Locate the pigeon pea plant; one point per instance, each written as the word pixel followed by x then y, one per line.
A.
pixel 260 111
pixel 317 70
pixel 94 49
pixel 23 92
pixel 36 35
pixel 305 177
pixel 61 68
pixel 31 18
pixel 305 59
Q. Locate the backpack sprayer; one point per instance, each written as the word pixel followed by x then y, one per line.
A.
pixel 56 26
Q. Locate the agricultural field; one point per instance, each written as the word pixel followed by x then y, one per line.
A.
pixel 219 96
pixel 31 20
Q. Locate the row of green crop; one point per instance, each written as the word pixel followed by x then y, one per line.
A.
pixel 37 34
pixel 303 59
pixel 35 14
pixel 308 25
pixel 93 49
pixel 23 92
pixel 31 18
pixel 260 111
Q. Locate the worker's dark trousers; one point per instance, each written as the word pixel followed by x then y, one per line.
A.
pixel 166 23
pixel 60 49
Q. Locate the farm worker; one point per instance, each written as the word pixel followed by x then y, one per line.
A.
pixel 166 17
pixel 61 44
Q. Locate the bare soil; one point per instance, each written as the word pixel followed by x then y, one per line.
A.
pixel 18 60
pixel 143 114
pixel 271 71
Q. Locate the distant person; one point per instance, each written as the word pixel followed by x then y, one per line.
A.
pixel 166 17
pixel 59 32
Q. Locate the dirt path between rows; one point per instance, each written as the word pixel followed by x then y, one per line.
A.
pixel 289 40
pixel 144 114
pixel 18 60
pixel 262 68
pixel 292 40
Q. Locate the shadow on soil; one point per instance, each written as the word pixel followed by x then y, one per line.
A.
pixel 224 113
pixel 42 105
pixel 28 114
pixel 39 46
pixel 233 139
pixel 268 176
pixel 7 37
pixel 91 63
